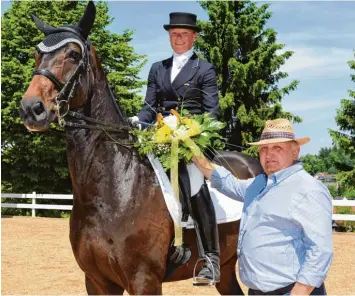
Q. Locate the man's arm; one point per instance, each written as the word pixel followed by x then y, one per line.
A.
pixel 301 289
pixel 313 213
pixel 210 93
pixel 222 179
pixel 147 114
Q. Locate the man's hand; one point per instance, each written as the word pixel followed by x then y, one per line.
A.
pixel 301 289
pixel 134 121
pixel 205 166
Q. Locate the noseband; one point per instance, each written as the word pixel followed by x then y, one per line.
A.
pixel 67 91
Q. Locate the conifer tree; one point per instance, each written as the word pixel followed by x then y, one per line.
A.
pixel 35 161
pixel 345 138
pixel 247 58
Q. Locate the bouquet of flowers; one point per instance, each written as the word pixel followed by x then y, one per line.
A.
pixel 158 139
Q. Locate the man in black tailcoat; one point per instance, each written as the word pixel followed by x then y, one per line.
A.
pixel 185 81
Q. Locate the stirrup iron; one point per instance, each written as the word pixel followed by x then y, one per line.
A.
pixel 197 281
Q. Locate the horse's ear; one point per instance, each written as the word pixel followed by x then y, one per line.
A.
pixel 87 20
pixel 43 27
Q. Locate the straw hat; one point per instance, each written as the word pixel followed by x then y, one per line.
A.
pixel 277 131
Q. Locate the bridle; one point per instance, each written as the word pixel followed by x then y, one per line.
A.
pixel 67 92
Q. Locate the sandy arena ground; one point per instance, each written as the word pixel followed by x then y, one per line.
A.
pixel 36 259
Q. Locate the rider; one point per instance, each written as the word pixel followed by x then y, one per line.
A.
pixel 185 81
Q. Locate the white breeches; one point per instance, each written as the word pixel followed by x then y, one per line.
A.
pixel 196 178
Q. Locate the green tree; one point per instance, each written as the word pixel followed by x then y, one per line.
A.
pixel 247 59
pixel 313 164
pixel 327 160
pixel 37 162
pixel 333 161
pixel 328 155
pixel 345 139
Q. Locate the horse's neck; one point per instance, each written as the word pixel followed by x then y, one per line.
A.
pixel 102 105
pixel 92 152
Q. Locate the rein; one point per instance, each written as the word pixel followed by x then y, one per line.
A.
pixel 67 92
pixel 108 126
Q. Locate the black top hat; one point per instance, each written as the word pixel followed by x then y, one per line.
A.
pixel 182 20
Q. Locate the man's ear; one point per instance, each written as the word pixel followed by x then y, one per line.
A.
pixel 195 36
pixel 295 151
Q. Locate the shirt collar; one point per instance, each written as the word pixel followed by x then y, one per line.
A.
pixel 183 56
pixel 285 173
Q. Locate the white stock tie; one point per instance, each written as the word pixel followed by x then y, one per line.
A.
pixel 179 62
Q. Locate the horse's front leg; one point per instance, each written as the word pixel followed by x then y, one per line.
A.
pixel 100 286
pixel 229 284
pixel 145 282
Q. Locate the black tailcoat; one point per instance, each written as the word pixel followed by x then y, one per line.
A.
pixel 194 89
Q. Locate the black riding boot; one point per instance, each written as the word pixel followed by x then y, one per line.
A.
pixel 205 216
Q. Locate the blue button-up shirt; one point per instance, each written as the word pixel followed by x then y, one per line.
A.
pixel 286 227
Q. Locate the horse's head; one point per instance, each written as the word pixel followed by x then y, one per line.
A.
pixel 62 77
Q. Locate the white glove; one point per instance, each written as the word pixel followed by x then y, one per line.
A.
pixel 134 121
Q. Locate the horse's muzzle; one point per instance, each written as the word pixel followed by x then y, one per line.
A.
pixel 34 114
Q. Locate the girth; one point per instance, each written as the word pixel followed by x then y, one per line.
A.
pixel 184 190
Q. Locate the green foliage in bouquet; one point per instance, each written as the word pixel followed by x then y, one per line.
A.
pixel 207 137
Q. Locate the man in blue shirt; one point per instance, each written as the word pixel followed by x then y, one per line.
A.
pixel 285 238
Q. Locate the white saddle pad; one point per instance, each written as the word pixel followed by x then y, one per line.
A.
pixel 227 209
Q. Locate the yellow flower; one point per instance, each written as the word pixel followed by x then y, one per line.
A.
pixel 163 134
pixel 193 125
pixel 189 128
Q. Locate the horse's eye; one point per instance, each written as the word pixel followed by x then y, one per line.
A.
pixel 74 55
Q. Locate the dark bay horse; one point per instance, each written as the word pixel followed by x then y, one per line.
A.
pixel 120 228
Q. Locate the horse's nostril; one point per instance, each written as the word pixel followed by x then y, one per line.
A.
pixel 38 108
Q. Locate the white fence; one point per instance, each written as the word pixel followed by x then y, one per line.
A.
pixel 34 206
pixel 343 203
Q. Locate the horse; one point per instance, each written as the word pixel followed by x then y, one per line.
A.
pixel 120 228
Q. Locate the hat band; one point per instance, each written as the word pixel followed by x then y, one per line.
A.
pixel 276 135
